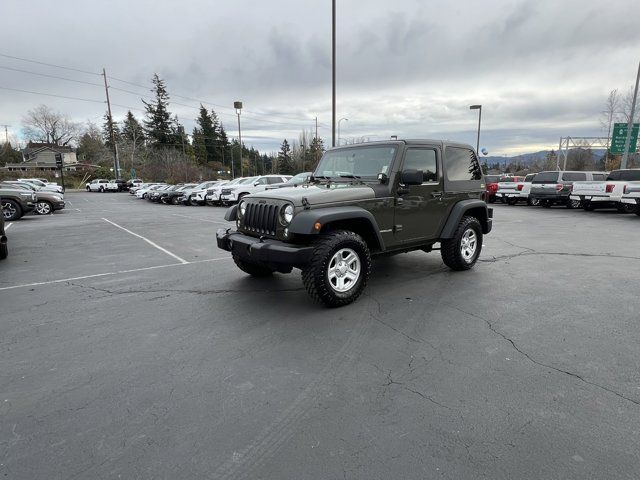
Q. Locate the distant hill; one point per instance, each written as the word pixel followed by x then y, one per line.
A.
pixel 529 158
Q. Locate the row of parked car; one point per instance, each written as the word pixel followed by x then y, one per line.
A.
pixel 214 192
pixel 26 195
pixel 618 189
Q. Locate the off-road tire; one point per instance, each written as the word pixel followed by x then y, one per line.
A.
pixel 450 249
pixel 253 269
pixel 15 211
pixel 315 275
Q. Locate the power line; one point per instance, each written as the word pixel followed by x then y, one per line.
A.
pixel 52 95
pixel 49 64
pixel 49 76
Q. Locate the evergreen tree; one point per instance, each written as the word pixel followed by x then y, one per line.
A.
pixel 131 130
pixel 8 154
pixel 225 149
pixel 159 126
pixel 208 135
pixel 106 132
pixel 285 164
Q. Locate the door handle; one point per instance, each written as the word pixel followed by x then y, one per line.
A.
pixel 436 194
pixel 402 190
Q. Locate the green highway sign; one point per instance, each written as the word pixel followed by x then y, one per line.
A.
pixel 620 136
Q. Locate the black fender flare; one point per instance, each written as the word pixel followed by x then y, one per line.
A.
pixel 232 214
pixel 459 210
pixel 304 222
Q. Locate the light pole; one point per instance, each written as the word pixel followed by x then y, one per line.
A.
pixel 339 128
pixel 479 108
pixel 238 107
pixel 333 73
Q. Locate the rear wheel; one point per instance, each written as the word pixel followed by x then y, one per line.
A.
pixel 573 203
pixel 253 269
pixel 533 202
pixel 11 210
pixel 175 200
pixel 43 208
pixel 492 199
pixel 587 206
pixel 339 269
pixel 101 189
pixel 512 201
pixel 462 250
pixel 627 207
pixel 545 203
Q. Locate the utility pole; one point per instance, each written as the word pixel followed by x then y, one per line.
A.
pixel 627 142
pixel 238 107
pixel 116 162
pixel 333 73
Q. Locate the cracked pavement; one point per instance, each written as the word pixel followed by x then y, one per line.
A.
pixel 525 367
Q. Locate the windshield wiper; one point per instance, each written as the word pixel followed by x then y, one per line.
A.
pixel 349 176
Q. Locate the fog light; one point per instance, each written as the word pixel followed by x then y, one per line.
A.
pixel 317 226
pixel 286 232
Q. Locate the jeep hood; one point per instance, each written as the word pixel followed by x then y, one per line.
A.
pixel 318 194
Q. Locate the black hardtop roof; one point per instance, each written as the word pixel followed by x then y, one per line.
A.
pixel 440 143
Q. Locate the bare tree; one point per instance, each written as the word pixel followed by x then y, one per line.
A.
pixel 44 125
pixel 611 110
pixel 625 104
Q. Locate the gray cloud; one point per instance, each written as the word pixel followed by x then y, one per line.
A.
pixel 540 69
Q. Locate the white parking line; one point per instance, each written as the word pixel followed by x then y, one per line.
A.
pixel 6 227
pixel 106 274
pixel 201 219
pixel 181 260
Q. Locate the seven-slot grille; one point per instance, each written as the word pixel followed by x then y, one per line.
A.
pixel 261 218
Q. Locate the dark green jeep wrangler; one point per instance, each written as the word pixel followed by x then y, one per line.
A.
pixel 375 198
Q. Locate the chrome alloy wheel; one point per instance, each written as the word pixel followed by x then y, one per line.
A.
pixel 468 244
pixel 43 208
pixel 8 210
pixel 344 270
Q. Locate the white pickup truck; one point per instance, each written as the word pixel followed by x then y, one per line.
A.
pixel 512 192
pixel 631 196
pixel 606 193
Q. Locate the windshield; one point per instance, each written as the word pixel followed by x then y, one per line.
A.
pixel 491 178
pixel 299 178
pixel 244 181
pixel 356 162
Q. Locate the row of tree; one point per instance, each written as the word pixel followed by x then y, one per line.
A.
pixel 155 144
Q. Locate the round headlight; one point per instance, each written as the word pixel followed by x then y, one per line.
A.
pixel 242 208
pixel 287 214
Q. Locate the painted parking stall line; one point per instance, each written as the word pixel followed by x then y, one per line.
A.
pixel 200 219
pixel 7 226
pixel 107 274
pixel 153 244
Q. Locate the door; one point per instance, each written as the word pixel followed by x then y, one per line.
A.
pixel 419 208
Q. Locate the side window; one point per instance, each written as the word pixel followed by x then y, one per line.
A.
pixel 615 175
pixel 272 180
pixel 630 175
pixel 461 164
pixel 598 176
pixel 262 181
pixel 422 159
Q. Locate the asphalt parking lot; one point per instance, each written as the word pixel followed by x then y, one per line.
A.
pixel 133 348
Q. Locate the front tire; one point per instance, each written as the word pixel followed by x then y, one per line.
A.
pixel 43 208
pixel 11 210
pixel 253 269
pixel 339 269
pixel 462 250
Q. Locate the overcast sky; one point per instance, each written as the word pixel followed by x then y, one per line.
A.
pixel 541 69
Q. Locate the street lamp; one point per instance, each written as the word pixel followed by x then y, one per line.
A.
pixel 479 108
pixel 238 107
pixel 339 128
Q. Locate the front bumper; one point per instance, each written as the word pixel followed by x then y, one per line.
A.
pixel 58 205
pixel 275 253
pixel 632 200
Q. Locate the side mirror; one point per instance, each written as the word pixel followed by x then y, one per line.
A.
pixel 383 178
pixel 411 177
pixel 255 184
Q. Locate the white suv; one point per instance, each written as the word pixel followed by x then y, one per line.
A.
pixel 97 185
pixel 233 194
